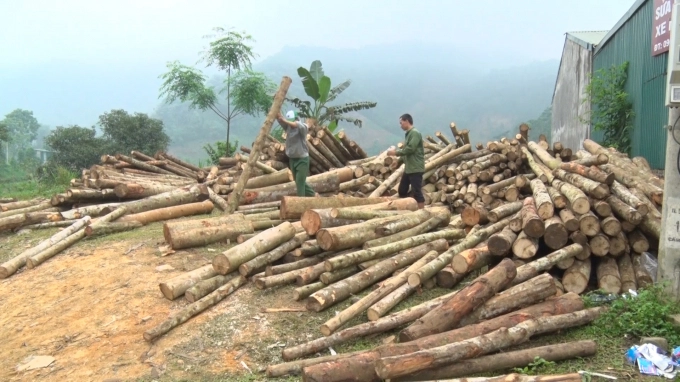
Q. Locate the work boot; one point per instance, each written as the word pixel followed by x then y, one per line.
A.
pixel 421 206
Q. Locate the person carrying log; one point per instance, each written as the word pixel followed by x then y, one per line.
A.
pixel 413 155
pixel 297 151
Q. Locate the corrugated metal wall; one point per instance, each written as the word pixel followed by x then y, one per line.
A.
pixel 570 90
pixel 646 83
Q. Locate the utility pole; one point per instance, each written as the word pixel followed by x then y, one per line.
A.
pixel 669 248
pixel 669 243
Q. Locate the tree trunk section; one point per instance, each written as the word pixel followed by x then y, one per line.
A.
pixel 525 247
pixel 577 276
pixel 250 267
pixel 267 240
pixel 627 273
pixel 534 268
pixel 472 259
pixel 532 224
pixel 556 235
pixel 578 200
pixel 397 366
pixel 182 238
pixel 507 360
pixel 361 367
pixel 501 243
pixel 342 290
pixel 354 235
pixel 167 213
pixel 176 286
pixel 292 207
pixel 195 308
pixel 109 228
pixel 608 276
pixel 544 205
pixel 450 313
pixel 9 267
pixel 203 288
pixel 504 211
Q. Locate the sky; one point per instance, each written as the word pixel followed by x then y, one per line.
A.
pixel 130 41
pixel 122 32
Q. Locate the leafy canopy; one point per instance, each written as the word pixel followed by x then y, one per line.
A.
pixel 75 147
pixel 611 110
pixel 247 92
pixel 318 87
pixel 125 132
pixel 21 127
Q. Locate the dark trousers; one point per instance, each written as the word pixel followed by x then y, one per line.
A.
pixel 414 180
pixel 300 169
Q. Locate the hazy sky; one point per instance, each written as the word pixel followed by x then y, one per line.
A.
pixel 36 32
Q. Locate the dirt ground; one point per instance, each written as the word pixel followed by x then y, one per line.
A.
pixel 89 306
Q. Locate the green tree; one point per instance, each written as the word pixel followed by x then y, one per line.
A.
pixel 4 132
pixel 611 110
pixel 22 128
pixel 124 132
pixel 220 150
pixel 75 147
pixel 248 92
pixel 318 87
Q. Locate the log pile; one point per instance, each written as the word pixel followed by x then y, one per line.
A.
pixel 529 226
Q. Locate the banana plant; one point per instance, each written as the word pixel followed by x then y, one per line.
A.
pixel 318 87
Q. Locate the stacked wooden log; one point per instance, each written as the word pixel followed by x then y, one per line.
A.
pixel 536 222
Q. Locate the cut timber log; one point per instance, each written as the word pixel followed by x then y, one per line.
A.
pixel 292 207
pixel 315 219
pixel 500 243
pixel 578 201
pixel 250 267
pixel 205 287
pixel 534 268
pixel 109 228
pixel 592 173
pixel 473 238
pixel 360 367
pixel 274 111
pixel 265 241
pixel 448 315
pixel 195 308
pixel 472 259
pixel 544 205
pixel 167 213
pixel 9 267
pixel 343 289
pixel 507 360
pixel 330 182
pixel 184 237
pixel 628 281
pixel 176 286
pixel 397 366
pixel 354 235
pixel 532 224
pixel 608 276
pixel 576 277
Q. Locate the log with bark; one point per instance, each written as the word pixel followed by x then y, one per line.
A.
pixel 361 367
pixel 449 314
pixel 397 366
pixel 194 308
pixel 507 360
pixel 265 241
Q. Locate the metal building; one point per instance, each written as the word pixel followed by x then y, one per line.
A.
pixel 641 37
pixel 568 109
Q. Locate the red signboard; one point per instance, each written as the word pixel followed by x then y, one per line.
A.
pixel 661 23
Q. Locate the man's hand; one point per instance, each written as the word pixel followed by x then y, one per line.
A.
pixel 391 151
pixel 280 118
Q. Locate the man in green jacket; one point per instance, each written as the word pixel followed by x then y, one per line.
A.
pixel 413 156
pixel 297 151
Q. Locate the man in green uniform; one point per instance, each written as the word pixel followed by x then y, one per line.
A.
pixel 413 156
pixel 297 151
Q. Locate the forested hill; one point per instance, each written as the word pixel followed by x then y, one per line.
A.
pixel 434 85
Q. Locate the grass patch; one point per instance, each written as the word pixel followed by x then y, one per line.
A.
pixel 21 184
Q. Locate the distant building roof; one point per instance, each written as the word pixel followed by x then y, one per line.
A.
pixel 587 38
